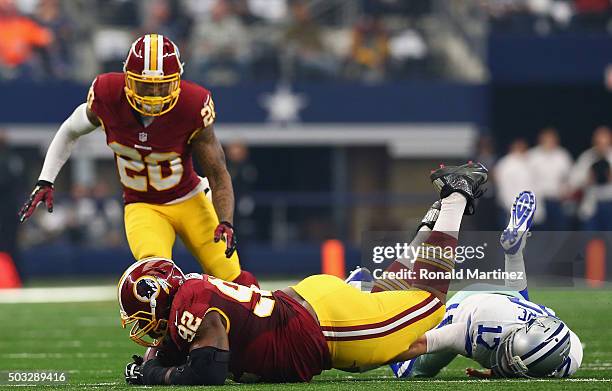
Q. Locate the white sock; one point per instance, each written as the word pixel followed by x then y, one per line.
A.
pixel 451 214
pixel 515 263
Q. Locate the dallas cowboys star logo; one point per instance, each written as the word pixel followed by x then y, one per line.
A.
pixel 283 105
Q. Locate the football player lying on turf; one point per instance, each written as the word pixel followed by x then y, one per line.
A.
pixel 204 328
pixel 497 326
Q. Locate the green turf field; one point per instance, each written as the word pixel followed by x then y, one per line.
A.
pixel 86 340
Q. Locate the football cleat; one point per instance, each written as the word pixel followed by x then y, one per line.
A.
pixel 402 369
pixel 466 179
pixel 361 279
pixel 514 236
pixel 430 218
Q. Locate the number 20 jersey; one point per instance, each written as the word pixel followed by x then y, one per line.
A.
pixel 154 162
pixel 270 335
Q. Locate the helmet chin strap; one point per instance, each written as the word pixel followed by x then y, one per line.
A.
pixel 153 305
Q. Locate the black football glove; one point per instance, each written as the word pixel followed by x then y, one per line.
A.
pixel 133 371
pixel 43 192
pixel 225 232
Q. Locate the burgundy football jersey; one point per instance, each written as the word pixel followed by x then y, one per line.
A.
pixel 270 335
pixel 154 162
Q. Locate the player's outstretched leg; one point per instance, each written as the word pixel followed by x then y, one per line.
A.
pixel 361 278
pixel 515 236
pixel 459 187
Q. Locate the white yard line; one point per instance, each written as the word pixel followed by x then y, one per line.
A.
pixel 74 294
pixel 83 294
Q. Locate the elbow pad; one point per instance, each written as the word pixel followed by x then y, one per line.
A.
pixel 205 366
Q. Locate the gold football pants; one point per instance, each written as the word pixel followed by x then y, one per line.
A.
pixel 151 230
pixel 366 330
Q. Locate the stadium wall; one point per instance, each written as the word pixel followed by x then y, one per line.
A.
pixel 393 102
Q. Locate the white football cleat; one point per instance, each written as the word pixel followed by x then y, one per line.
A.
pixel 403 369
pixel 361 279
pixel 521 219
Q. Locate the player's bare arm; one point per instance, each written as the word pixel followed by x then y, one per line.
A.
pixel 446 338
pixel 207 363
pixel 209 153
pixel 416 349
pixel 212 332
pixel 479 373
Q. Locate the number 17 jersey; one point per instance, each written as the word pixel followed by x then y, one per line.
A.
pixel 154 162
pixel 476 325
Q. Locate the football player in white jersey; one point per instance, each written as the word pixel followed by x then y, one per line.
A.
pixel 497 326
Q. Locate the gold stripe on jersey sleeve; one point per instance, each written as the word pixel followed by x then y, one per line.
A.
pixel 195 134
pixel 220 312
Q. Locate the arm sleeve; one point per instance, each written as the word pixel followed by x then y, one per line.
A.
pixel 450 338
pixel 61 146
pixel 430 364
pixel 205 366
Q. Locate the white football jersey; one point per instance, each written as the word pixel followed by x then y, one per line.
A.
pixel 475 327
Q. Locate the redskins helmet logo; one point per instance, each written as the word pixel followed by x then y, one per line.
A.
pixel 146 289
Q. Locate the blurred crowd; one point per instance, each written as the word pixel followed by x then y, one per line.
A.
pixel 229 41
pixel 549 16
pixel 572 194
pixel 222 41
pixel 90 216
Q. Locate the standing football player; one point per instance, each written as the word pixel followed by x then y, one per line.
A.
pixel 154 122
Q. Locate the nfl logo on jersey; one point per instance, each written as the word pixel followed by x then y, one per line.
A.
pixel 143 137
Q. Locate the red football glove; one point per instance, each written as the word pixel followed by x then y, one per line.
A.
pixel 225 232
pixel 43 192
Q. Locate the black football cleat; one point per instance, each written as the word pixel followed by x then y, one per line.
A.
pixel 466 179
